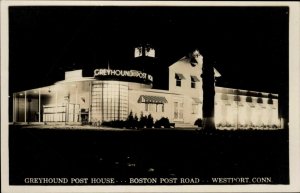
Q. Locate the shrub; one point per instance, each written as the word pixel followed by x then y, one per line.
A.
pixel 143 121
pixel 149 121
pixel 198 122
pixel 130 121
pixel 165 122
pixel 135 121
pixel 162 122
pixel 228 125
pixel 115 124
pixel 157 124
pixel 239 125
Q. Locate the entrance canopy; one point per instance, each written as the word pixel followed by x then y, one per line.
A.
pixel 152 99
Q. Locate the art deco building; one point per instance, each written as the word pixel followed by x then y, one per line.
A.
pixel 111 94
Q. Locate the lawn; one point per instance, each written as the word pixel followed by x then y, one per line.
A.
pixel 148 153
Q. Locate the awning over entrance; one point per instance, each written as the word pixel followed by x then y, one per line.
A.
pixel 152 99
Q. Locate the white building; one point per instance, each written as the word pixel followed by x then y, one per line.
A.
pixel 112 93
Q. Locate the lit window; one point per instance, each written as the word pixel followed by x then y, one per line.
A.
pixel 152 107
pixel 108 102
pixel 150 52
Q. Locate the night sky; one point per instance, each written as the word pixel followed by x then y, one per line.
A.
pixel 248 45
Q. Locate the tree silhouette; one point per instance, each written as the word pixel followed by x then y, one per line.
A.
pixel 208 87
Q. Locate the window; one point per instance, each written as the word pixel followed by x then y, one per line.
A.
pixel 178 82
pixel 178 111
pixel 194 79
pixel 109 101
pixel 178 78
pixel 152 107
pixel 193 84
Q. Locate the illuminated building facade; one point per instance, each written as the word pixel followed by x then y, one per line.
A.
pixel 111 94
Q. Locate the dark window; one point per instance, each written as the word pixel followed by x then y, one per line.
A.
pixel 193 84
pixel 237 98
pixel 248 99
pixel 194 79
pixel 178 78
pixel 259 100
pixel 270 101
pixel 178 82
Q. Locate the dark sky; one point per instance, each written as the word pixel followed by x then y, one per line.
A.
pixel 248 45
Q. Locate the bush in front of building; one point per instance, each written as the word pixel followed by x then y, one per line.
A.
pixel 149 121
pixel 143 121
pixel 198 122
pixel 162 122
pixel 131 122
pixel 135 121
pixel 114 124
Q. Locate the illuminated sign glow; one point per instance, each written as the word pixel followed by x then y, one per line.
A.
pixel 109 73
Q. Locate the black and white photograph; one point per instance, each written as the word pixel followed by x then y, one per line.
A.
pixel 161 95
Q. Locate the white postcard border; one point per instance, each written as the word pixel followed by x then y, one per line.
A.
pixel 294 95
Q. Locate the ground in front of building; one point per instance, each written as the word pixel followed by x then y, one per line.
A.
pixel 147 153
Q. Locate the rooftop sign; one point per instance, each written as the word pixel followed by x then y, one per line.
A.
pixel 123 75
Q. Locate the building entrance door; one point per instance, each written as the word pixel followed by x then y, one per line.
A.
pixel 178 111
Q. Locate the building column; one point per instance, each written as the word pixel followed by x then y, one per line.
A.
pixel 18 109
pixel 76 93
pixel 14 106
pixel 119 102
pixel 76 111
pixel 55 118
pixel 39 105
pixel 237 115
pixel 25 107
pixel 90 102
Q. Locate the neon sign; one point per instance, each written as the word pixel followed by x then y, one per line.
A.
pixel 128 75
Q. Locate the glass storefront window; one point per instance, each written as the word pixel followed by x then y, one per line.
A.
pixel 109 101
